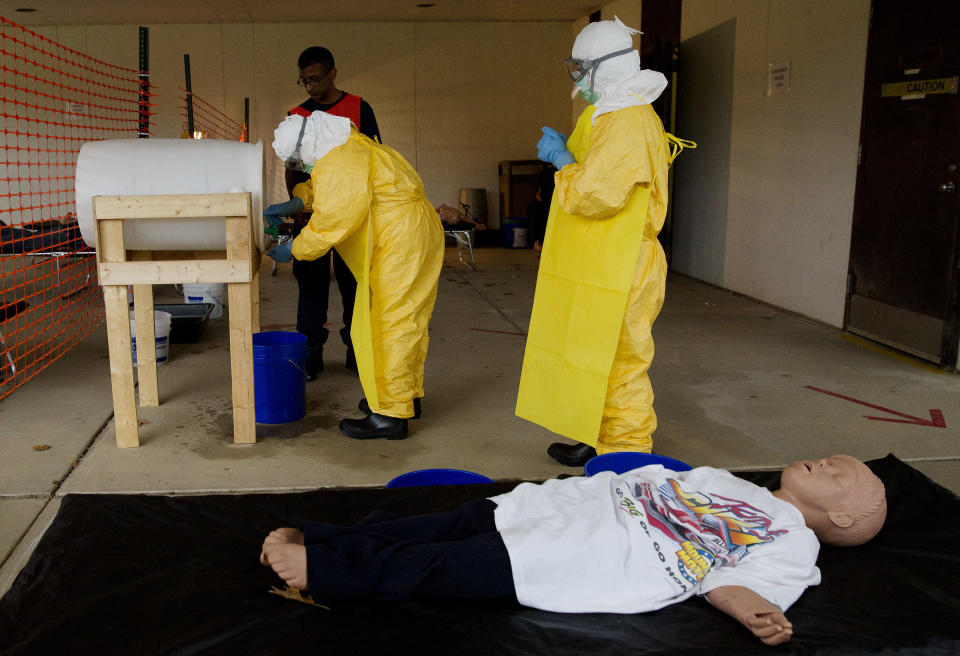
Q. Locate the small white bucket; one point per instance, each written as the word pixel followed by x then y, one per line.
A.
pixel 161 327
pixel 519 237
pixel 205 293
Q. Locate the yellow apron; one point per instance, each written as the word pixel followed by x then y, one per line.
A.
pixel 356 252
pixel 578 308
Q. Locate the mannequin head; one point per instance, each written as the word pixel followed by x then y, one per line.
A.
pixel 842 501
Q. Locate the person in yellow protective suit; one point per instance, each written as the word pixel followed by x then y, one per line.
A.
pixel 602 273
pixel 369 203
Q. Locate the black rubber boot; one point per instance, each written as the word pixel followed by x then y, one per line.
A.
pixel 365 407
pixel 571 455
pixel 314 361
pixel 374 426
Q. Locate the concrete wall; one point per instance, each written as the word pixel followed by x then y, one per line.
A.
pixel 453 98
pixel 765 209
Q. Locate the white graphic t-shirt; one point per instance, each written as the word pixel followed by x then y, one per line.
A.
pixel 635 542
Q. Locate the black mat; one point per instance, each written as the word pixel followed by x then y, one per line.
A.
pixel 117 574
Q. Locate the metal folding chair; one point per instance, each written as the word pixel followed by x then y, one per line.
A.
pixel 464 240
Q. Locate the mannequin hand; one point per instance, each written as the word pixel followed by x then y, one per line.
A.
pixel 282 252
pixel 552 148
pixel 761 618
pixel 772 627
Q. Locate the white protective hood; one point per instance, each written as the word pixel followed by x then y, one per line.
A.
pixel 323 133
pixel 620 81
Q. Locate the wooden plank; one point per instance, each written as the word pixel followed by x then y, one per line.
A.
pixel 110 249
pixel 254 284
pixel 174 272
pixel 146 340
pixel 121 366
pixel 240 302
pixel 110 240
pixel 255 301
pixel 183 206
pixel 241 363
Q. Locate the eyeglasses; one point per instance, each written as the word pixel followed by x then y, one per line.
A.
pixel 306 82
pixel 295 162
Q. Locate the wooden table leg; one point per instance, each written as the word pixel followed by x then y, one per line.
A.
pixel 240 297
pixel 146 340
pixel 121 365
pixel 255 294
pixel 241 362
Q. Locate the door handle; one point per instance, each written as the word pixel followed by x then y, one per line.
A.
pixel 947 187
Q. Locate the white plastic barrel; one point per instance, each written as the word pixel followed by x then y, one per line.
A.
pixel 133 167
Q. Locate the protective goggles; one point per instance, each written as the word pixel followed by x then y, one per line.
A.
pixel 577 68
pixel 295 162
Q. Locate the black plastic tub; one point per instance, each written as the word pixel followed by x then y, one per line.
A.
pixel 187 320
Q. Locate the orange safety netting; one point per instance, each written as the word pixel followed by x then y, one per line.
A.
pixel 54 99
pixel 208 121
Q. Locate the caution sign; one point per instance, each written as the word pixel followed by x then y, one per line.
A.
pixel 919 88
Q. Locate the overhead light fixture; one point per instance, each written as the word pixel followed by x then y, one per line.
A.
pixel 25 10
pixel 426 5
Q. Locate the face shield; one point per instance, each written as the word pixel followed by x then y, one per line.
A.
pixel 295 161
pixel 577 69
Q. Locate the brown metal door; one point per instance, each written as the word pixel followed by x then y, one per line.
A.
pixel 903 254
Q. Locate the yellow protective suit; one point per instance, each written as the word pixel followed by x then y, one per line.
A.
pixel 369 203
pixel 600 285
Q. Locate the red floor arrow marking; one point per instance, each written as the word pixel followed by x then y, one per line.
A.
pixel 936 416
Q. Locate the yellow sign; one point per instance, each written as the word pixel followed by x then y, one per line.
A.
pixel 919 87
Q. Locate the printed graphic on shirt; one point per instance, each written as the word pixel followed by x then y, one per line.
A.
pixel 726 529
pixel 706 529
pixel 672 569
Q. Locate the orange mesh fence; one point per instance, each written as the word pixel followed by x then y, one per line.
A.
pixel 208 121
pixel 54 100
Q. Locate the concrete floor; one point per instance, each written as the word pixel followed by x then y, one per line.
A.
pixel 731 377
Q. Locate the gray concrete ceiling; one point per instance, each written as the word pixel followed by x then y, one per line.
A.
pixel 105 12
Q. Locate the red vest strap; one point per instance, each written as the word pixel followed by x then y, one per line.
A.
pixel 348 106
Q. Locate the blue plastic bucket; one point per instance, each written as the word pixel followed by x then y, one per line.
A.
pixel 423 477
pixel 279 376
pixel 623 461
pixel 515 233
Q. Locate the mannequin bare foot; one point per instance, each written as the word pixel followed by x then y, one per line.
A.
pixel 285 535
pixel 289 561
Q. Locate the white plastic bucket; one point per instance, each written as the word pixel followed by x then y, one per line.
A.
pixel 161 327
pixel 519 237
pixel 212 293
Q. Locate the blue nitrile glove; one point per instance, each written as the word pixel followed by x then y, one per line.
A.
pixel 552 148
pixel 274 214
pixel 282 252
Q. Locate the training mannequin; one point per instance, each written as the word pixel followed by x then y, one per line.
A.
pixel 621 543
